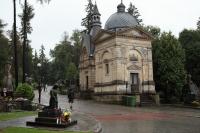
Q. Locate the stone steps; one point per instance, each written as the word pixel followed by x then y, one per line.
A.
pixel 146 100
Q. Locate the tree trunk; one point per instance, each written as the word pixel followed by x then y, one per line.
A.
pixel 15 46
pixel 24 43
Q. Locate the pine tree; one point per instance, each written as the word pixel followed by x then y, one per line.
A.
pixel 26 17
pixel 86 22
pixel 198 24
pixel 134 11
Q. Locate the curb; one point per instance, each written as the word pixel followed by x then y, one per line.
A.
pixel 97 128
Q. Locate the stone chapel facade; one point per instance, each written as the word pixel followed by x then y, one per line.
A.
pixel 116 60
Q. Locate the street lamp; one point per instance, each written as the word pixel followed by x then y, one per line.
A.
pixel 39 65
pixel 39 85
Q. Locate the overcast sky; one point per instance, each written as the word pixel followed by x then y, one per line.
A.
pixel 52 20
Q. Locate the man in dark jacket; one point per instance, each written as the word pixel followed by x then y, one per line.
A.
pixel 71 97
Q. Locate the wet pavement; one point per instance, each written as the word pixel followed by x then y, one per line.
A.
pixel 121 119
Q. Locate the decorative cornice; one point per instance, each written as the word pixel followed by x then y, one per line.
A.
pixel 148 83
pixel 114 82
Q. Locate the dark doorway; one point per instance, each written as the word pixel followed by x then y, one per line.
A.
pixel 134 83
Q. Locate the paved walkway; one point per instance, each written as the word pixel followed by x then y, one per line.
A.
pixel 85 122
pixel 121 119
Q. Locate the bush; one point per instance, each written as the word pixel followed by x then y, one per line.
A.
pixel 26 91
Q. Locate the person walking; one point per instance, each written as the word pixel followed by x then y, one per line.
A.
pixel 70 97
pixel 39 87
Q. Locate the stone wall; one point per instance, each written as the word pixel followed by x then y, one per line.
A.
pixel 124 56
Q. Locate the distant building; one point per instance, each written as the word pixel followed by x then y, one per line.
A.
pixel 116 60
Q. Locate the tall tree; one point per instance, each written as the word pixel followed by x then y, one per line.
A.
pixel 35 71
pixel 62 55
pixel 4 48
pixel 134 11
pixel 26 29
pixel 2 25
pixel 44 65
pixel 198 24
pixel 15 44
pixel 71 72
pixel 87 21
pixel 15 38
pixel 168 61
pixel 42 55
pixel 190 41
pixel 76 40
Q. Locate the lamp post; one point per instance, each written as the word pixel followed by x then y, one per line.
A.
pixel 39 85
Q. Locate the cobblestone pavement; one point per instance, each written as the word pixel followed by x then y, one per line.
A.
pixel 121 119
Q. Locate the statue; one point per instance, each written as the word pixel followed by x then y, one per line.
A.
pixel 8 81
pixel 53 102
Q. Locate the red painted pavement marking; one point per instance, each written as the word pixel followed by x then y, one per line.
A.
pixel 134 116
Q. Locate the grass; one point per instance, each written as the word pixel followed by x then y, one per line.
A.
pixel 15 115
pixel 32 130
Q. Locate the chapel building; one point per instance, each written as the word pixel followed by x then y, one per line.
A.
pixel 116 60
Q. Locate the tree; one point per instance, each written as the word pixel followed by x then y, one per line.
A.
pixel 62 55
pixel 71 72
pixel 15 43
pixel 134 11
pixel 27 17
pixel 155 31
pixel 1 27
pixel 190 41
pixel 4 48
pixel 168 61
pixel 42 55
pixel 44 65
pixel 87 21
pixel 198 24
pixel 26 29
pixel 76 40
pixel 15 38
pixel 35 71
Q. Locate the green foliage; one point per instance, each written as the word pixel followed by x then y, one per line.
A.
pixel 198 24
pixel 65 58
pixel 26 16
pixel 72 72
pixel 25 90
pixel 76 39
pixel 155 31
pixel 86 22
pixel 4 51
pixel 134 11
pixel 168 62
pixel 190 41
pixel 1 27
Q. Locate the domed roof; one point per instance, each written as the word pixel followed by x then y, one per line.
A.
pixel 120 19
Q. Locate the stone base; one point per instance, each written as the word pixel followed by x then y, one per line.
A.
pixel 112 99
pixel 45 124
pixel 87 95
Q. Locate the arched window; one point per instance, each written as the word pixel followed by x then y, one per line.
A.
pixel 107 68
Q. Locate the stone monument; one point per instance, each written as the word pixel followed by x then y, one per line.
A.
pixel 52 116
pixel 7 82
